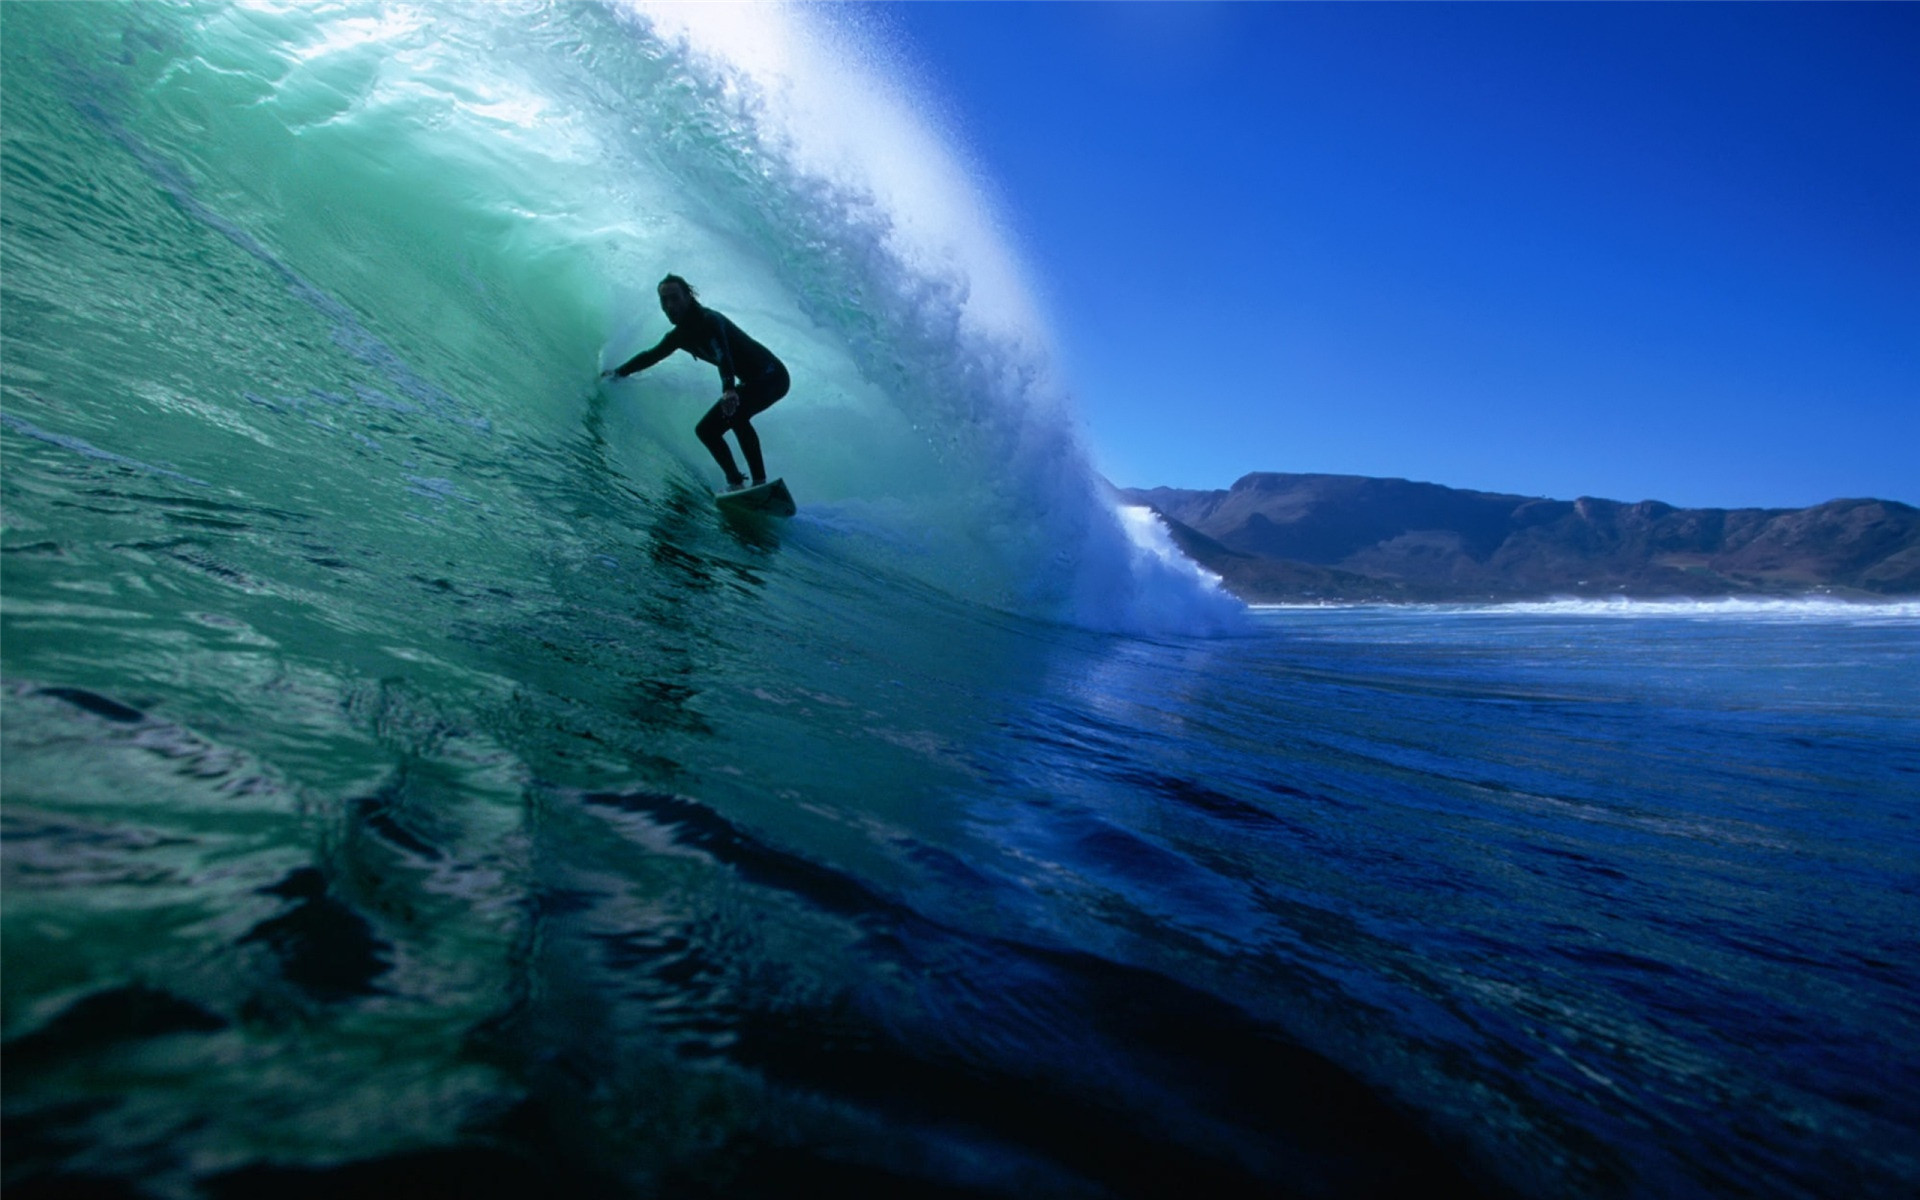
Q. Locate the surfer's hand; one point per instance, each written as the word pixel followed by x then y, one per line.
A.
pixel 729 402
pixel 609 373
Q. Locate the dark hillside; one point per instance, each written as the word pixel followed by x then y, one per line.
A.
pixel 1287 537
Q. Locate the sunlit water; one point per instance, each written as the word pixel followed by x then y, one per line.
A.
pixel 412 782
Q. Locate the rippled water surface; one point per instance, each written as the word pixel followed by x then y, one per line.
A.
pixel 1355 903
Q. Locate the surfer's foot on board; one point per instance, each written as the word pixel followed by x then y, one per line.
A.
pixel 735 483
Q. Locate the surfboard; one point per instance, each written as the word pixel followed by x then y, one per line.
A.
pixel 769 499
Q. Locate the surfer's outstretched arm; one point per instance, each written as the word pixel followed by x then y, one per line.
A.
pixel 646 358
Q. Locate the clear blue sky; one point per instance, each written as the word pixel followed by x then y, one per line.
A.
pixel 1633 251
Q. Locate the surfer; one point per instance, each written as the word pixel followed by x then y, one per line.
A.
pixel 751 378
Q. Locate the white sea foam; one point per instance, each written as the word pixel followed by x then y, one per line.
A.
pixel 1734 608
pixel 1813 608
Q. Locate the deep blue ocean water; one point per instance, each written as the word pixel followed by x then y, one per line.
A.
pixel 411 784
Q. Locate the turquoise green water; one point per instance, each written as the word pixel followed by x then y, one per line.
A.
pixel 412 781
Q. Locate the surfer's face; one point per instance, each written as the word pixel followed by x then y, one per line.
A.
pixel 675 302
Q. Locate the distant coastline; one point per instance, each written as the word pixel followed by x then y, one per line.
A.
pixel 1284 538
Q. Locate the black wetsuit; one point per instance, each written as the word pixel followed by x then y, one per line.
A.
pixel 747 369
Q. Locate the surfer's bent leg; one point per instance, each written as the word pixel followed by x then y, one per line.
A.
pixel 756 397
pixel 709 432
pixel 750 448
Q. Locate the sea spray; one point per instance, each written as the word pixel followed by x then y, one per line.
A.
pixel 946 323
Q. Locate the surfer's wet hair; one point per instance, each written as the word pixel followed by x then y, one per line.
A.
pixel 683 284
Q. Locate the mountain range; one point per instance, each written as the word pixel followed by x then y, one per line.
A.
pixel 1287 538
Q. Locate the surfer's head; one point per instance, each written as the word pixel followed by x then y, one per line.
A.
pixel 678 299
